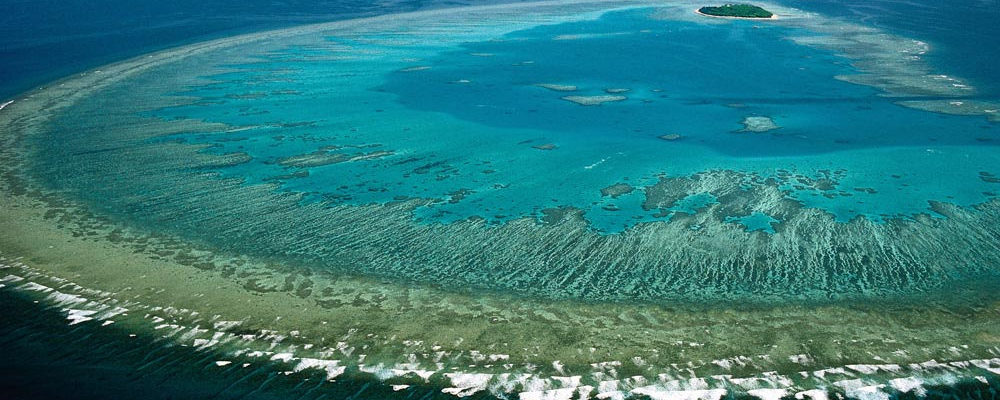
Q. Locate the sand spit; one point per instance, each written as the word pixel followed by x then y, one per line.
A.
pixel 416 68
pixel 546 146
pixel 593 100
pixel 557 87
pixel 590 35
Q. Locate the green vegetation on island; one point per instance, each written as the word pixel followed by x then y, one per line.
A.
pixel 736 10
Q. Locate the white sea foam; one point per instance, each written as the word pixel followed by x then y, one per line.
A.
pixel 909 384
pixel 422 373
pixel 78 316
pixel 866 369
pixel 862 390
pixel 767 386
pixel 466 384
pixel 768 394
pixel 568 381
pixel 812 394
pixel 591 166
pixel 64 299
pixel 617 395
pixel 225 325
pixel 113 312
pixel 554 394
pixel 34 287
pixel 657 393
pixel 332 367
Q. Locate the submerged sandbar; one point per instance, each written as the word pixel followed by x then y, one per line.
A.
pixel 594 100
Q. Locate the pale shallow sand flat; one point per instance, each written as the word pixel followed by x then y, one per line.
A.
pixel 557 87
pixel 758 124
pixel 594 100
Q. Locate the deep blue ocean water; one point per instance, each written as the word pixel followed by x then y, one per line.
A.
pixel 959 32
pixel 45 40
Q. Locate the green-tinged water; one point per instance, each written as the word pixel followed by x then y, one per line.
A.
pixel 567 199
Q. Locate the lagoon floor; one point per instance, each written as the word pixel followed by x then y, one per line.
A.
pixel 540 200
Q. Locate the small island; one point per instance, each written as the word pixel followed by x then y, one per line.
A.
pixel 736 11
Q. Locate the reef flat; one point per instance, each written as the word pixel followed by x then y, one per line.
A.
pixel 558 88
pixel 594 100
pixel 759 124
pixel 208 194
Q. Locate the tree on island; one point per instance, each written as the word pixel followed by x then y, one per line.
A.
pixel 737 10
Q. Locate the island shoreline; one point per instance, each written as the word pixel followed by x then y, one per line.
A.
pixel 773 16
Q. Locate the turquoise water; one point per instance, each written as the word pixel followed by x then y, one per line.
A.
pixel 463 124
pixel 427 153
pixel 447 157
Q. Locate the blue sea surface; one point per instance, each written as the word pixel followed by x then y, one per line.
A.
pixel 41 41
pixel 45 40
pixel 959 32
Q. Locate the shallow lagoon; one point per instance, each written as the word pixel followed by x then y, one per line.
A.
pixel 467 120
pixel 385 199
